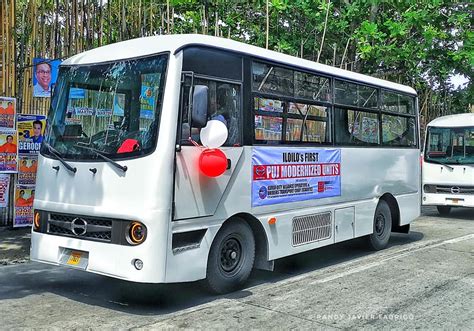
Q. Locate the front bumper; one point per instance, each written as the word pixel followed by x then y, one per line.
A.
pixel 453 200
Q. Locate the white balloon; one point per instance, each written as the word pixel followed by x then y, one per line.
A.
pixel 214 134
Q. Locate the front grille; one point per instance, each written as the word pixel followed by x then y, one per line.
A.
pixel 454 189
pixel 83 227
pixel 311 228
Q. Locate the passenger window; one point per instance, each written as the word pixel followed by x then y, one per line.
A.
pixel 310 126
pixel 268 128
pixel 356 127
pixel 397 103
pixel 272 79
pixel 358 95
pixel 224 105
pixel 312 87
pixel 398 130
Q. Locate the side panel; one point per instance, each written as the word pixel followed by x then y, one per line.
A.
pixel 197 195
pixel 366 174
pixel 345 223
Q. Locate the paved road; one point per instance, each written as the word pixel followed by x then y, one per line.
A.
pixel 423 280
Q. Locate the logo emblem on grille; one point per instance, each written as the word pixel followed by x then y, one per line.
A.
pixel 79 226
pixel 455 189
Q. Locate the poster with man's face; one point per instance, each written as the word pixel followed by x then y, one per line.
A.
pixel 45 73
pixel 24 197
pixel 7 112
pixel 27 167
pixel 8 151
pixel 31 130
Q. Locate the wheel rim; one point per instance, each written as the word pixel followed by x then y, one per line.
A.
pixel 380 225
pixel 230 254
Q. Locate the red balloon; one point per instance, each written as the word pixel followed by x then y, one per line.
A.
pixel 212 162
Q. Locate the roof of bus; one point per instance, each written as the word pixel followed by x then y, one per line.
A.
pixel 139 47
pixel 456 120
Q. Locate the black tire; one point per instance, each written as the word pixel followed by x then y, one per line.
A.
pixel 443 210
pixel 231 257
pixel 382 227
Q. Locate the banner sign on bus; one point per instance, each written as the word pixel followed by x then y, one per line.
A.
pixel 294 174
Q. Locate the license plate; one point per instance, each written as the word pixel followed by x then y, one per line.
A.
pixel 74 258
pixel 454 200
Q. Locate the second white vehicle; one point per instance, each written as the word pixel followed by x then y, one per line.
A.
pixel 448 163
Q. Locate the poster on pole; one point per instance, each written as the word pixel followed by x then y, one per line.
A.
pixel 27 166
pixel 31 130
pixel 4 189
pixel 7 112
pixel 45 73
pixel 283 175
pixel 24 196
pixel 8 151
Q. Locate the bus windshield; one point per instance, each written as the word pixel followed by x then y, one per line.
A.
pixel 450 145
pixel 112 109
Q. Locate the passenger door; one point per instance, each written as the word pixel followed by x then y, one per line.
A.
pixel 197 195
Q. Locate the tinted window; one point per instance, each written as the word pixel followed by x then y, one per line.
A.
pixel 398 103
pixel 352 94
pixel 272 79
pixel 211 62
pixel 309 86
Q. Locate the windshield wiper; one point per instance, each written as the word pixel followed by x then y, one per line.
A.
pixel 121 167
pixel 438 162
pixel 58 156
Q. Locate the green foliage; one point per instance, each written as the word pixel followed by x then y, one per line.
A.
pixel 419 43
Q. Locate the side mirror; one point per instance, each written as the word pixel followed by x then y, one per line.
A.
pixel 199 111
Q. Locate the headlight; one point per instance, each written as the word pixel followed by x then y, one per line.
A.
pixel 136 233
pixel 37 221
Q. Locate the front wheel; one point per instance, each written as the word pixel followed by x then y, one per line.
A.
pixel 382 227
pixel 443 210
pixel 231 257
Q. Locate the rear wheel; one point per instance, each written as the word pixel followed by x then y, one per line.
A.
pixel 231 257
pixel 382 227
pixel 443 210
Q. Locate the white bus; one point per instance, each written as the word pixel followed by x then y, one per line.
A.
pixel 310 155
pixel 448 163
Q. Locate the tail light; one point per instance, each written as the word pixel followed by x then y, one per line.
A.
pixel 136 233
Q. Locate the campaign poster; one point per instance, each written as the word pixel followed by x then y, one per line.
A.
pixel 283 175
pixel 24 196
pixel 119 104
pixel 45 73
pixel 8 151
pixel 4 189
pixel 27 167
pixel 150 82
pixel 7 112
pixel 77 93
pixel 31 130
